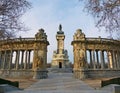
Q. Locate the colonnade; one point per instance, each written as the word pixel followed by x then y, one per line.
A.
pixel 103 59
pixel 16 59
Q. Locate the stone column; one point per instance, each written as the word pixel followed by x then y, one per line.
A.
pixel 17 60
pixel 102 59
pixel 86 59
pixel 117 59
pixel 93 59
pixel 91 65
pixel 97 57
pixel 25 64
pixel 22 57
pixel 114 60
pixel 28 66
pixel 4 60
pixel 108 59
pixel 0 59
pixel 10 61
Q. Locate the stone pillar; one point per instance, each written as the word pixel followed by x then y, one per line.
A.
pixel 4 60
pixel 108 59
pixel 22 57
pixel 114 60
pixel 17 60
pixel 97 57
pixel 91 65
pixel 10 61
pixel 28 66
pixel 102 59
pixel 25 64
pixel 93 59
pixel 111 59
pixel 0 59
pixel 117 59
pixel 86 59
pixel 39 58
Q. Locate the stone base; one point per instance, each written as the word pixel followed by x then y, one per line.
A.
pixel 40 74
pixel 103 73
pixel 16 73
pixel 62 70
pixel 98 73
pixel 80 73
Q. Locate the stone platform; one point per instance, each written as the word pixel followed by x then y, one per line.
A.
pixel 63 83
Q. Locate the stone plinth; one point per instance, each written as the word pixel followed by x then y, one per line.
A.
pixel 80 73
pixel 40 74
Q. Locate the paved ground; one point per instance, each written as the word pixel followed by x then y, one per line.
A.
pixel 61 83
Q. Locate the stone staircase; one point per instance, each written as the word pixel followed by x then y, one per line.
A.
pixel 60 70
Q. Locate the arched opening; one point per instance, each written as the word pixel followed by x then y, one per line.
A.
pixel 60 64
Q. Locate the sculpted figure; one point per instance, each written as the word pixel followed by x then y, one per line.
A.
pixel 82 62
pixel 39 62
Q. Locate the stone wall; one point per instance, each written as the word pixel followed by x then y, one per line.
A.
pixel 16 73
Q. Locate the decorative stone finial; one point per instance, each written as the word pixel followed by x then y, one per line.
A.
pixel 60 30
pixel 60 27
pixel 41 35
pixel 79 35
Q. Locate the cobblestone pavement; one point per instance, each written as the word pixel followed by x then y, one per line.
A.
pixel 61 83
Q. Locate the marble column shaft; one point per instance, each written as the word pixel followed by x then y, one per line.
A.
pixel 102 59
pixel 91 65
pixel 10 61
pixel 108 59
pixel 25 64
pixel 114 60
pixel 117 59
pixel 97 57
pixel 4 60
pixel 28 66
pixel 93 59
pixel 0 59
pixel 22 58
pixel 17 60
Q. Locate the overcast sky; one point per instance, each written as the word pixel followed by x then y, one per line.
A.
pixel 48 14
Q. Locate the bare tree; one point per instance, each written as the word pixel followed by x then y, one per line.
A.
pixel 10 13
pixel 105 12
pixel 118 36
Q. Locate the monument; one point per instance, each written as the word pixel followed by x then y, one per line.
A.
pixel 60 56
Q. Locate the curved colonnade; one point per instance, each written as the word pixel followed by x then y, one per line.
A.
pixel 19 55
pixel 95 56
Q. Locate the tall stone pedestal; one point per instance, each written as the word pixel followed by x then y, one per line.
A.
pixel 80 73
pixel 40 74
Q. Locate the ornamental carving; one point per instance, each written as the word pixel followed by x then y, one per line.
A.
pixel 41 35
pixel 79 35
pixel 82 62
